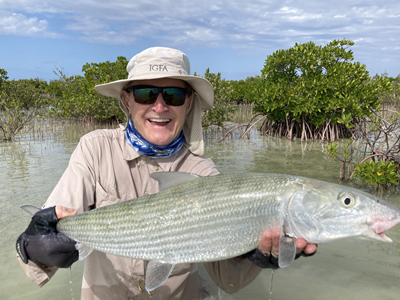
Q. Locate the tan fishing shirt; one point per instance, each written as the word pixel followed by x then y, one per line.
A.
pixel 103 170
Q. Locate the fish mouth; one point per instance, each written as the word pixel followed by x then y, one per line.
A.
pixel 378 230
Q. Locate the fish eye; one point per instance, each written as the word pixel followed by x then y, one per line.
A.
pixel 346 200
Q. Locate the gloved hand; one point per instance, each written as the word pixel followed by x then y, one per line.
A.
pixel 262 260
pixel 42 244
pixel 267 252
pixel 268 261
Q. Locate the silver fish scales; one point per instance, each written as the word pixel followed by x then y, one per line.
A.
pixel 200 219
pixel 210 218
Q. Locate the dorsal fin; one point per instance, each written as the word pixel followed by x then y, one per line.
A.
pixel 167 180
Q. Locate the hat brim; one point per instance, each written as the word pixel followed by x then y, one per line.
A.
pixel 202 86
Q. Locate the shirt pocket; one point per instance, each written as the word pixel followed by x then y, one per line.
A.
pixel 103 198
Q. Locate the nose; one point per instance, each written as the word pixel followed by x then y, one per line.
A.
pixel 160 105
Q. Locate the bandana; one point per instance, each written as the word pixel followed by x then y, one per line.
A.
pixel 139 143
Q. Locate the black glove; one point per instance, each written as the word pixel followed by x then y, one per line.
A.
pixel 42 244
pixel 268 261
pixel 262 260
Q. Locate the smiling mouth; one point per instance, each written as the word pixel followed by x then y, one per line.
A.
pixel 159 121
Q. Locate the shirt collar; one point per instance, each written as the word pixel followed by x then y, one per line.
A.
pixel 166 163
pixel 128 152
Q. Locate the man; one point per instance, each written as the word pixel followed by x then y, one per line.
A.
pixel 163 105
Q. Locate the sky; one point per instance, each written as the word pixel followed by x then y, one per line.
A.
pixel 233 37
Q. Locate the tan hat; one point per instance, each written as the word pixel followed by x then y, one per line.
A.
pixel 161 62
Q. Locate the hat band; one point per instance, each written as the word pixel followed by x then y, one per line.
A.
pixel 156 69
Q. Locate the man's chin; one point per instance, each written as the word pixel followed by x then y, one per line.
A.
pixel 160 139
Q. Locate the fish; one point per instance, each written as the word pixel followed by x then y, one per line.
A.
pixel 202 219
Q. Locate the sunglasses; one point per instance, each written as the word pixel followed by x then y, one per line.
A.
pixel 147 94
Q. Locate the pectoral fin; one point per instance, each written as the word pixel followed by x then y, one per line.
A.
pixel 156 274
pixel 287 246
pixel 84 250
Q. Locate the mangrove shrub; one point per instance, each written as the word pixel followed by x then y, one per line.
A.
pixel 223 109
pixel 3 76
pixel 75 96
pixel 20 102
pixel 392 97
pixel 246 91
pixel 312 91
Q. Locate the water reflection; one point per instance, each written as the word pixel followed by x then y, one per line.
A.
pixel 269 154
pixel 31 166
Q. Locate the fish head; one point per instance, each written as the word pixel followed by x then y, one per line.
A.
pixel 322 212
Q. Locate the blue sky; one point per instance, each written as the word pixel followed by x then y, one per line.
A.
pixel 233 37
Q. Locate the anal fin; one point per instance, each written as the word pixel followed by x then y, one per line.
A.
pixel 156 274
pixel 287 246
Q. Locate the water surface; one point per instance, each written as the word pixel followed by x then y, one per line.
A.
pixel 31 167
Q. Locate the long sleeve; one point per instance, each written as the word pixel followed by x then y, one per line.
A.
pixel 38 275
pixel 232 274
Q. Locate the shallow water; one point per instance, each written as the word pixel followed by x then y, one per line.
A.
pixel 31 166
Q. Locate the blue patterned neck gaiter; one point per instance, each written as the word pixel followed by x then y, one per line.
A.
pixel 139 143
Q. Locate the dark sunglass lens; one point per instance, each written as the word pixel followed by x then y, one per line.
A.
pixel 174 96
pixel 145 95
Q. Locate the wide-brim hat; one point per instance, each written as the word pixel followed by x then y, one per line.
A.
pixel 156 63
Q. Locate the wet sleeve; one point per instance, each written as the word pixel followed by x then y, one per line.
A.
pixel 40 276
pixel 232 274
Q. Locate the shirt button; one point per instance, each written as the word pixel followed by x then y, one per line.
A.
pixel 157 168
pixel 146 193
pixel 232 285
pixel 135 277
pixel 138 165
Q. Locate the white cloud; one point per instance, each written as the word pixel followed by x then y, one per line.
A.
pixel 305 17
pixel 19 24
pixel 296 15
pixel 368 12
pixel 35 6
pixel 249 26
pixel 287 10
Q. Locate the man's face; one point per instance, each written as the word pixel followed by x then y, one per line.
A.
pixel 158 123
